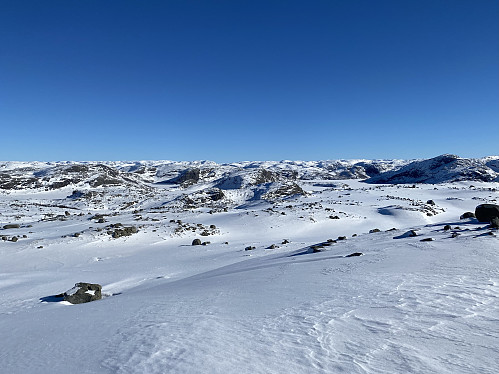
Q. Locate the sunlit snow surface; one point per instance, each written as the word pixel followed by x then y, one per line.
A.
pixel 405 306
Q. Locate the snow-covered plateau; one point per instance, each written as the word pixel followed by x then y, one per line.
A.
pixel 304 267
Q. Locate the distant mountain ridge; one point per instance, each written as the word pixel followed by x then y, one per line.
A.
pixel 55 175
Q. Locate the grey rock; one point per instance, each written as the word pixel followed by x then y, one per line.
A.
pixel 83 293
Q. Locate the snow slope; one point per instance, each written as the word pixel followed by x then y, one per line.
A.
pixel 405 305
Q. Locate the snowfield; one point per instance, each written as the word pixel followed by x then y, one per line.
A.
pixel 274 290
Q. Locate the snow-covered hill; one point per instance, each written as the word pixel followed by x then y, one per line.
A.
pixel 273 289
pixel 445 168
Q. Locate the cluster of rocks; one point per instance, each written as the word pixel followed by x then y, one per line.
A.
pixel 183 228
pixel 117 230
pixel 199 242
pixel 13 238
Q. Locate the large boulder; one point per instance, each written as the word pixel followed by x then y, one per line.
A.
pixel 486 212
pixel 83 293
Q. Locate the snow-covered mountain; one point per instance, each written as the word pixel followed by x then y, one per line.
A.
pixel 445 168
pixel 203 182
pixel 302 267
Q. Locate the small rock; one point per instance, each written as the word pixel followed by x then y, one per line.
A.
pixel 272 246
pixel 408 234
pixel 249 248
pixel 447 227
pixel 11 226
pixel 342 238
pixel 196 242
pixel 430 202
pixel 355 254
pixel 427 240
pixel 467 215
pixel 285 241
pixel 374 230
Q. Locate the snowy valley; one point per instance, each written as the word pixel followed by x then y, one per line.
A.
pixel 349 266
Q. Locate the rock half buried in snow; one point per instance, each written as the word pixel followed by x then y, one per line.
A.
pixel 408 234
pixel 467 215
pixel 83 293
pixel 485 212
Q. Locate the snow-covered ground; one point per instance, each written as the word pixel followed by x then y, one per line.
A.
pixel 404 306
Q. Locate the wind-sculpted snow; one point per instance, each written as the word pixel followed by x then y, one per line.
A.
pixel 246 268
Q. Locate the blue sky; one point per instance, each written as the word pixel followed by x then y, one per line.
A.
pixel 248 80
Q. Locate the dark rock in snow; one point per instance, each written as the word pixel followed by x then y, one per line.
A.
pixel 83 293
pixel 11 226
pixel 188 176
pixel 196 242
pixel 447 227
pixel 494 223
pixel 355 254
pixel 485 212
pixel 467 215
pixel 408 234
pixel 125 231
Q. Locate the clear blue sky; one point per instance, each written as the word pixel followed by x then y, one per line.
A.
pixel 248 80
